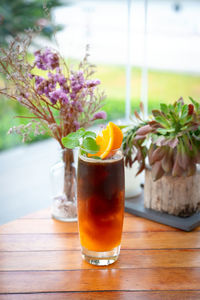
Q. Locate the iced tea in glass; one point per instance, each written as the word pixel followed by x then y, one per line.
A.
pixel 100 195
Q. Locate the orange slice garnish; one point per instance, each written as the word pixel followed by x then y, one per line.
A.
pixel 109 140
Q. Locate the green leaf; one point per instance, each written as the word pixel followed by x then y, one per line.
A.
pixel 162 131
pixel 77 134
pixel 172 117
pixel 184 128
pixel 171 107
pixel 123 126
pixel 90 134
pixel 70 143
pixel 81 138
pixel 196 104
pixel 162 121
pixel 188 118
pixel 171 129
pixel 156 112
pixel 166 130
pixel 90 145
pixel 179 107
pixel 164 108
pixel 184 111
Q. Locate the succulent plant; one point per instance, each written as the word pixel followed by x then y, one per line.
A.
pixel 170 139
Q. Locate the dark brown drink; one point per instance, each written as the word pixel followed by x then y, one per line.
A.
pixel 100 202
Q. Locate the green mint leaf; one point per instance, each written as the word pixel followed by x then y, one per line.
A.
pixel 83 152
pixel 90 146
pixel 70 143
pixel 77 134
pixel 83 139
pixel 90 134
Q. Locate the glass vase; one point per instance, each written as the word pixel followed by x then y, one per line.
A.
pixel 63 182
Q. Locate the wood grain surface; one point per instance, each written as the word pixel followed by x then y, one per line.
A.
pixel 40 259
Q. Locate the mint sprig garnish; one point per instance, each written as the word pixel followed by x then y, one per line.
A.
pixel 89 145
pixel 83 139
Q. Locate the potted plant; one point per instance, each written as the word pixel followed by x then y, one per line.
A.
pixel 167 147
pixel 59 100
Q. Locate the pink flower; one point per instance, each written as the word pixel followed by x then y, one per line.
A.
pixel 99 115
pixel 93 83
pixel 46 59
pixel 58 95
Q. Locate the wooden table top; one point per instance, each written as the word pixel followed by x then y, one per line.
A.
pixel 40 259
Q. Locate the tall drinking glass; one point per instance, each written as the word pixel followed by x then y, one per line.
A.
pixel 100 196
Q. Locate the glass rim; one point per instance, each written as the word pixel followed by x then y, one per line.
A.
pixel 117 155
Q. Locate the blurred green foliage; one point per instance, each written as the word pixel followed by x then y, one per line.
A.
pixel 18 15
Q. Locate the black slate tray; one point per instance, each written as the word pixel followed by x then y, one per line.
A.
pixel 136 207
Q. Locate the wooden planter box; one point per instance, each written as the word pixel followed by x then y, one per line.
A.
pixel 179 196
